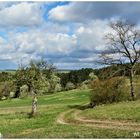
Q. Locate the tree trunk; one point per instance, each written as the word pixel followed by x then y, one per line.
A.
pixel 34 105
pixel 132 84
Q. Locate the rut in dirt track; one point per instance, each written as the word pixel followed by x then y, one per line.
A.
pixel 97 123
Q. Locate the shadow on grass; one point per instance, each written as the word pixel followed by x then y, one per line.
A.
pixel 80 107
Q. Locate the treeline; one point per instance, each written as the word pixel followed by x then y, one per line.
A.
pixel 41 77
pixel 115 70
pixel 112 84
pixel 75 76
pixel 38 77
pixel 79 76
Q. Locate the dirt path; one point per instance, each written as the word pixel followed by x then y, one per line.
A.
pixel 61 117
pixel 108 124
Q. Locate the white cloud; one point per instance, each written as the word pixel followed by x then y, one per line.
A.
pixel 68 12
pixel 56 46
pixel 35 44
pixel 43 42
pixel 88 59
pixel 67 44
pixel 5 47
pixel 55 27
pixel 90 36
pixel 21 14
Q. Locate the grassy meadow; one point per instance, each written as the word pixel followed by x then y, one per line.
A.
pixel 56 117
pixel 69 75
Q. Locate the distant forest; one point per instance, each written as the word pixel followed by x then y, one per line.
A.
pixel 78 76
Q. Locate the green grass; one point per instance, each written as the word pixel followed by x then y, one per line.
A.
pixel 14 122
pixel 117 111
pixel 8 71
pixel 65 98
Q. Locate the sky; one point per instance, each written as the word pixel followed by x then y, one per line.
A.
pixel 68 34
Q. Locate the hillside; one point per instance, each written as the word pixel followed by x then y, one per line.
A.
pixel 64 115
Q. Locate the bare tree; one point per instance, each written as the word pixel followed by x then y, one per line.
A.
pixel 123 47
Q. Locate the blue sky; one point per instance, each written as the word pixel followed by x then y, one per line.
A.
pixel 68 34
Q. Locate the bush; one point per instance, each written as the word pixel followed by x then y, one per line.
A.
pixel 42 86
pixel 12 94
pixel 107 91
pixel 54 83
pixel 5 89
pixel 84 85
pixel 70 86
pixel 1 91
pixel 23 91
pixel 58 88
pixel 92 76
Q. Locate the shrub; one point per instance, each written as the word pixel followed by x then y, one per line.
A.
pixel 1 91
pixel 5 89
pixel 84 85
pixel 70 86
pixel 54 83
pixel 12 94
pixel 107 91
pixel 42 86
pixel 92 76
pixel 23 91
pixel 58 88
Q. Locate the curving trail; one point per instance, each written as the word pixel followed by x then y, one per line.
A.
pixel 97 123
pixel 61 118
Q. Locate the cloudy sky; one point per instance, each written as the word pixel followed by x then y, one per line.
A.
pixel 68 34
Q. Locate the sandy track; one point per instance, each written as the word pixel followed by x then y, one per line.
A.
pixel 97 123
pixel 61 117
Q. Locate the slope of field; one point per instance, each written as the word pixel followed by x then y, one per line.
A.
pixel 8 71
pixel 64 115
